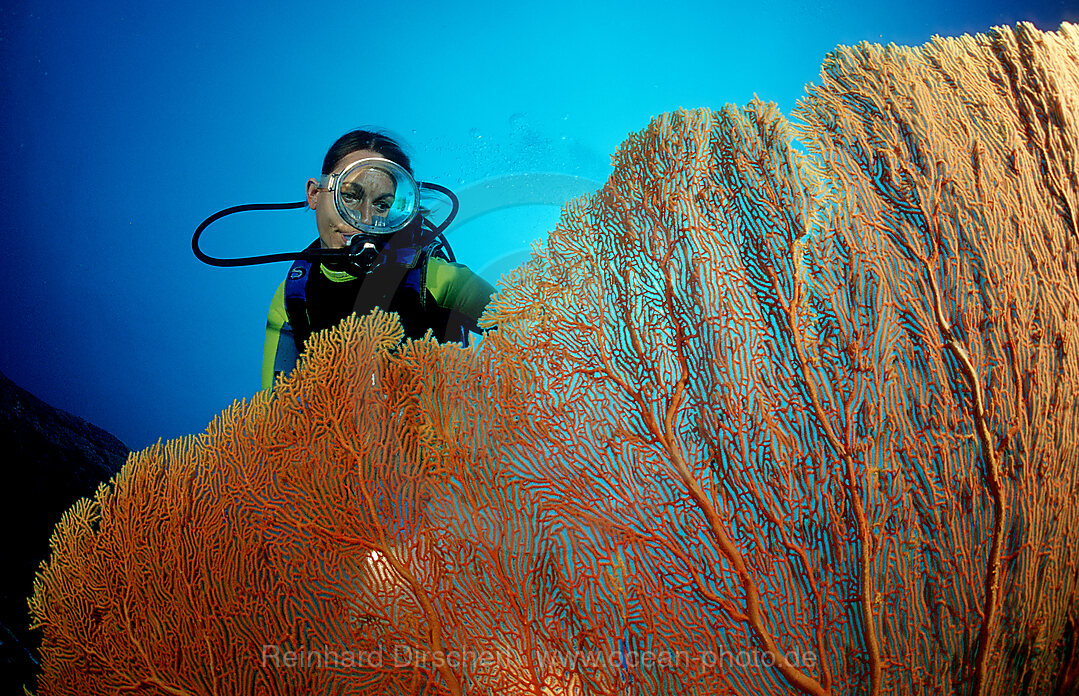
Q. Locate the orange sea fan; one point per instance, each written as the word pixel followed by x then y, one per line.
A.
pixel 349 532
pixel 758 416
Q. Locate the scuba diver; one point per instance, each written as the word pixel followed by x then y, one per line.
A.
pixel 375 248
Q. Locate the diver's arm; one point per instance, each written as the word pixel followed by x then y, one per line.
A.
pixel 279 349
pixel 456 287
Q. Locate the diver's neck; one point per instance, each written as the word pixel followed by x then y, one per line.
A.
pixel 336 275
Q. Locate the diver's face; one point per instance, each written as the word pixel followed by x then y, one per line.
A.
pixel 369 192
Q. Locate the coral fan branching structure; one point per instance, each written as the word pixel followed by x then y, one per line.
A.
pixel 787 405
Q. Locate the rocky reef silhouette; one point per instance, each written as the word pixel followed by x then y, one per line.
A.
pixel 52 459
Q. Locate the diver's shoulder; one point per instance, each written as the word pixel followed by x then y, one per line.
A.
pixel 441 265
pixel 277 315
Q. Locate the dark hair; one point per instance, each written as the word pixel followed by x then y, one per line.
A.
pixel 365 140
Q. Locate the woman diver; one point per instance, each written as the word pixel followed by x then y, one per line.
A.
pixel 367 203
pixel 375 248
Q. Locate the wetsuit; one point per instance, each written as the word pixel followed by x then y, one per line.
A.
pixel 431 293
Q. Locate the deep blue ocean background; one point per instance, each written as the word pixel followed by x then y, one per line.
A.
pixel 125 124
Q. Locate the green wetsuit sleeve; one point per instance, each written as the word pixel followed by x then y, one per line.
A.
pixel 275 322
pixel 455 286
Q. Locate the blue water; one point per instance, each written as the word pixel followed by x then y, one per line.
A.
pixel 123 126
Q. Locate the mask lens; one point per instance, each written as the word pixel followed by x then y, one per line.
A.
pixel 376 196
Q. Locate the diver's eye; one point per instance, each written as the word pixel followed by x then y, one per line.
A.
pixel 351 197
pixel 383 206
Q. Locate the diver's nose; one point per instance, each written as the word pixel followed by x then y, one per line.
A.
pixel 365 213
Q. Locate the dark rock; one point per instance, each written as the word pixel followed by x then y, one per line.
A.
pixel 51 459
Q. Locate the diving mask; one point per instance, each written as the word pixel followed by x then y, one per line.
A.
pixel 374 224
pixel 374 195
